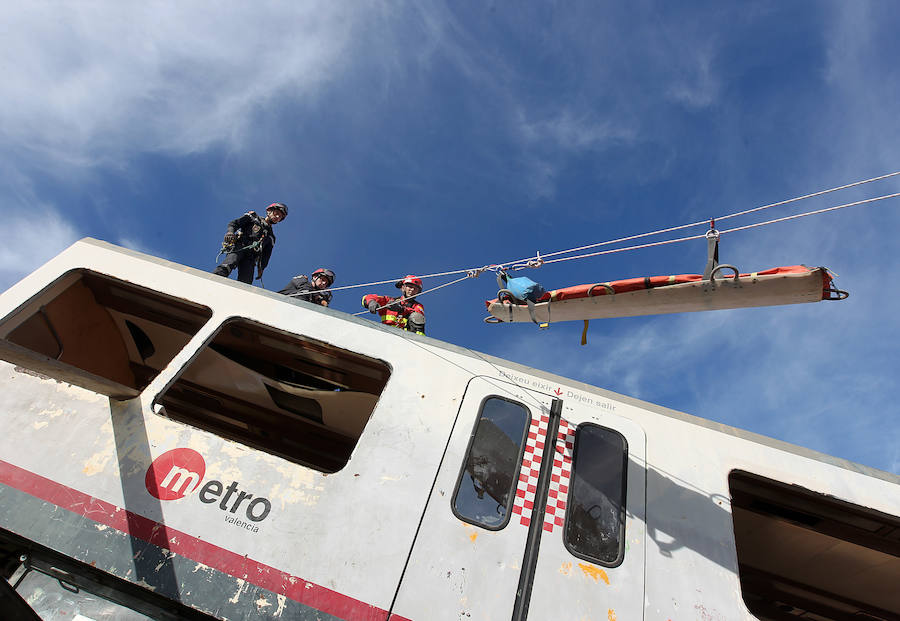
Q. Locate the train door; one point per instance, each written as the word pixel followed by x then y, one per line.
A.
pixel 501 537
pixel 592 549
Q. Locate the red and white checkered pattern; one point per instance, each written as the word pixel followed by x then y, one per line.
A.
pixel 531 468
pixel 523 504
pixel 559 478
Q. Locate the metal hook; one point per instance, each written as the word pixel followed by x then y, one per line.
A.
pixel 712 251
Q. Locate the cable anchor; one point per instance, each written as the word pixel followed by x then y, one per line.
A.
pixel 712 250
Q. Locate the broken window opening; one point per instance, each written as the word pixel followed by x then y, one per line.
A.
pixel 100 333
pixel 803 554
pixel 40 583
pixel 292 396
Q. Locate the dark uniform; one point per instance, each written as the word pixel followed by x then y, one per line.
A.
pixel 253 244
pixel 302 289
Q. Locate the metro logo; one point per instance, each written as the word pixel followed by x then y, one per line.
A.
pixel 175 474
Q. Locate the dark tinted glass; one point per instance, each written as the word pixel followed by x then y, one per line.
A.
pixel 484 494
pixel 595 516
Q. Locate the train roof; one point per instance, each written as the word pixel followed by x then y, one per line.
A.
pixel 512 366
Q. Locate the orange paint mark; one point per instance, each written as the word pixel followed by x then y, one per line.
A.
pixel 594 572
pixel 611 615
pixel 566 569
pixel 473 537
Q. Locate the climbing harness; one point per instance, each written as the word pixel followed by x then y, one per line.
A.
pixel 255 246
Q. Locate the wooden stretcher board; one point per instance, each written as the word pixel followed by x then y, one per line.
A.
pixel 654 296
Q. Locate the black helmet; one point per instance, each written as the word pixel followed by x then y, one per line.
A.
pixel 325 273
pixel 280 207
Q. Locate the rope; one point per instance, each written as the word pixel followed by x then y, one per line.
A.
pixel 704 222
pixel 739 228
pixel 421 293
pixel 538 259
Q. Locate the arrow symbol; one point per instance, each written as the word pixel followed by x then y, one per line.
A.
pixel 557 392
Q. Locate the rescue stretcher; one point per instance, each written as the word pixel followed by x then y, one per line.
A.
pixel 683 293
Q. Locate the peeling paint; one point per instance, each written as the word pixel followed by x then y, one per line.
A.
pixel 237 594
pixel 298 485
pixel 262 603
pixel 225 470
pixel 101 527
pixel 96 463
pixel 282 600
pixel 52 413
pixel 233 450
pixel 81 393
pixel 145 584
pixel 707 615
pixel 594 573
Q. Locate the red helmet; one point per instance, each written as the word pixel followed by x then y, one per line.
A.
pixel 325 273
pixel 410 280
pixel 280 207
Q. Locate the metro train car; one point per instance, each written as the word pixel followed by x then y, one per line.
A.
pixel 176 445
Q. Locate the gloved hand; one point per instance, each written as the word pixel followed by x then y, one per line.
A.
pixel 229 239
pixel 373 306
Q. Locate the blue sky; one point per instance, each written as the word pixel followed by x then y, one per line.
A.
pixel 423 137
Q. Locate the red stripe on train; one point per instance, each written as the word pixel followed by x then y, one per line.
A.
pixel 241 567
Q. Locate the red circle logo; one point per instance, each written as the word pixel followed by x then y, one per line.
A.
pixel 175 474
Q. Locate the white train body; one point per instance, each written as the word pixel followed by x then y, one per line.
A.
pixel 190 446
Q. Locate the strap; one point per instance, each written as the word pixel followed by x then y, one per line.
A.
pixel 542 326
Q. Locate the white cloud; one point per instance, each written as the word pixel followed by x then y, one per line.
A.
pixel 140 246
pixel 85 82
pixel 572 131
pixel 34 237
pixel 695 84
pixel 36 230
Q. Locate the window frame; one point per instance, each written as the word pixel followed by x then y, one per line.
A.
pixel 515 478
pixel 116 288
pixel 157 405
pixel 623 510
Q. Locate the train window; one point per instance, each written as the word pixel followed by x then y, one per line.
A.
pixel 100 333
pixel 298 398
pixel 794 547
pixel 595 515
pixel 39 583
pixel 486 487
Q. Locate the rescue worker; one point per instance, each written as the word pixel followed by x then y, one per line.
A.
pixel 249 241
pixel 404 311
pixel 302 288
